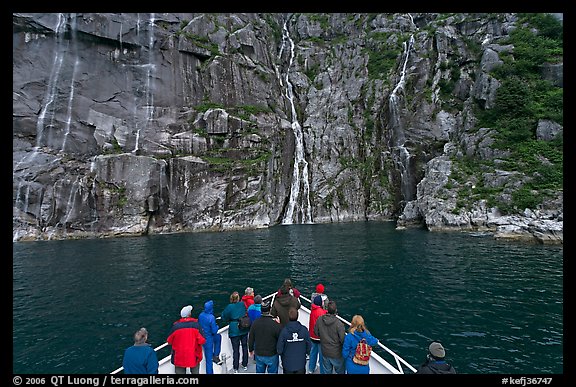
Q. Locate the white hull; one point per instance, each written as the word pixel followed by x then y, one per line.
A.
pixel 378 365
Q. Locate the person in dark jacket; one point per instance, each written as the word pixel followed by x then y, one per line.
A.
pixel 294 344
pixel 435 362
pixel 186 338
pixel 262 341
pixel 238 336
pixel 213 342
pixel 293 291
pixel 282 303
pixel 141 357
pixel 357 332
pixel 331 332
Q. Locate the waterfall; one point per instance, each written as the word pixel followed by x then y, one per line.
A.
pixel 399 137
pixel 299 200
pixel 93 193
pixel 150 67
pixel 52 83
pixel 71 95
pixel 69 111
pixel 48 108
pixel 162 176
pixel 70 205
pixel 16 234
pixel 149 71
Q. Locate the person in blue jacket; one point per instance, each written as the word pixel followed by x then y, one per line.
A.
pixel 357 332
pixel 213 342
pixel 255 310
pixel 140 358
pixel 294 344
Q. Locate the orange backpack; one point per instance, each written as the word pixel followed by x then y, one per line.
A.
pixel 363 351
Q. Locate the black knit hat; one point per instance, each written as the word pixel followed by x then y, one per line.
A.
pixel 265 307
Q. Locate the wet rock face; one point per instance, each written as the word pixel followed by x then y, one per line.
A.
pixel 111 114
pixel 135 123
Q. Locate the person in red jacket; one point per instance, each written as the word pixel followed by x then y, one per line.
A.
pixel 248 297
pixel 186 339
pixel 316 352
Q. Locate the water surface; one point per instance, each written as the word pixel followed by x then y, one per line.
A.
pixel 496 306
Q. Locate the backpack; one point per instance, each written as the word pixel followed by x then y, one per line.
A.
pixel 244 322
pixel 363 351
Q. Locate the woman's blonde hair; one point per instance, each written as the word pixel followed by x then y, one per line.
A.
pixel 357 324
pixel 234 297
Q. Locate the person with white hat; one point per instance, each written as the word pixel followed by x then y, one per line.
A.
pixel 186 338
pixel 435 361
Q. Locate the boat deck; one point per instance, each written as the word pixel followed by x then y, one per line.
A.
pixel 252 367
pixel 378 365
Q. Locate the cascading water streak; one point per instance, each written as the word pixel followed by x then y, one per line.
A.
pixel 149 93
pixel 52 83
pixel 300 187
pixel 47 111
pixel 399 137
pixel 74 70
pixel 69 110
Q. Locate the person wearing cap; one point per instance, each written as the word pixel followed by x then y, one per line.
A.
pixel 186 338
pixel 262 339
pixel 320 291
pixel 435 362
pixel 213 343
pixel 238 336
pixel 140 358
pixel 316 352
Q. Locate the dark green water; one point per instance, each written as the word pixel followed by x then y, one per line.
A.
pixel 496 306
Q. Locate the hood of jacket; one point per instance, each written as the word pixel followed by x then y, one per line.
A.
pixel 329 319
pixel 284 299
pixel 209 307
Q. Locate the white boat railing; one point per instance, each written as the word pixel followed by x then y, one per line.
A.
pixel 398 359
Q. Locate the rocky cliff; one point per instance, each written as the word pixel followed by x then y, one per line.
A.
pixel 130 124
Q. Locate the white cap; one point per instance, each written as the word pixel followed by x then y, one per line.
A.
pixel 186 311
